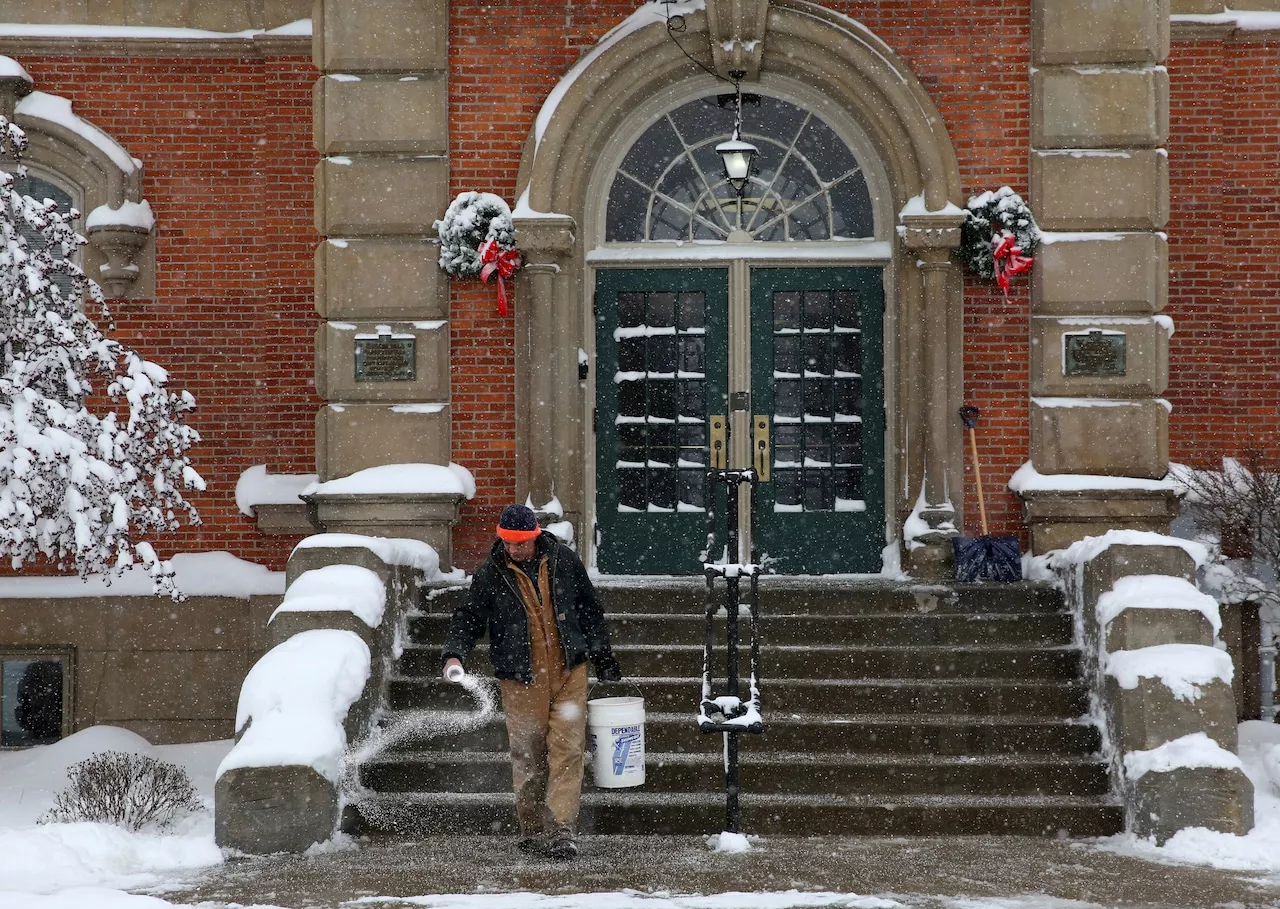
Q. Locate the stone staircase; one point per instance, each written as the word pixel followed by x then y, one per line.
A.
pixel 890 709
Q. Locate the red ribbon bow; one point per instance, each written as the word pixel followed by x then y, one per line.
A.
pixel 1009 260
pixel 500 260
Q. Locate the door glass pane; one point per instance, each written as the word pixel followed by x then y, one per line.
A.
pixel 662 354
pixel 817 397
pixel 787 403
pixel 662 489
pixel 631 491
pixel 786 490
pixel 692 355
pixel 817 355
pixel 30 702
pixel 693 313
pixel 848 350
pixel 631 398
pixel 693 494
pixel 787 359
pixel 630 310
pixel 817 490
pixel 631 354
pixel 817 310
pixel 786 312
pixel 660 310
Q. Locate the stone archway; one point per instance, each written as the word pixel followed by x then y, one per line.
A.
pixel 846 63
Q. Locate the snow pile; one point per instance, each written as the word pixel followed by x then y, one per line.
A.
pixel 401 479
pixel 257 487
pixel 1091 547
pixel 1027 479
pixel 56 109
pixel 728 842
pixel 1157 591
pixel 201 574
pixel 1182 668
pixel 130 214
pixel 12 69
pixel 1194 750
pixel 392 550
pixel 294 700
pixel 337 588
pixel 55 857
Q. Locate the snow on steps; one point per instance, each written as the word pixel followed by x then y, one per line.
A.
pixel 891 709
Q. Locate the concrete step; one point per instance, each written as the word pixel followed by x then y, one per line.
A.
pixel 1009 661
pixel 637 811
pixel 948 734
pixel 1031 697
pixel 771 772
pixel 951 629
pixel 801 596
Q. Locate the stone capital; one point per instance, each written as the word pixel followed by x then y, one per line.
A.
pixel 545 239
pixel 736 30
pixel 932 231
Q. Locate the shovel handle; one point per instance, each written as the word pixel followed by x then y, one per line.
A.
pixel 969 415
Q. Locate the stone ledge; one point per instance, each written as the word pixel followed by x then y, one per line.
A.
pixel 428 516
pixel 1059 518
pixel 278 520
pixel 256 47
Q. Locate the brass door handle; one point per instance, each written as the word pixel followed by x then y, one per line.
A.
pixel 718 441
pixel 760 445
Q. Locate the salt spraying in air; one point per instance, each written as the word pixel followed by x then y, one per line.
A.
pixel 419 725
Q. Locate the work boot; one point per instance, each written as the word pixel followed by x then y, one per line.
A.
pixel 562 847
pixel 532 845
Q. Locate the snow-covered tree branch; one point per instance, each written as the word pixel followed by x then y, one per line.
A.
pixel 93 445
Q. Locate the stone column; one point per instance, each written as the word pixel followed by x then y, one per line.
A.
pixel 381 125
pixel 1100 187
pixel 549 394
pixel 931 238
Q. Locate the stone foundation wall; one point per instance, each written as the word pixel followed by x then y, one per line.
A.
pixel 170 672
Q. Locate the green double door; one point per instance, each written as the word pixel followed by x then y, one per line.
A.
pixel 802 364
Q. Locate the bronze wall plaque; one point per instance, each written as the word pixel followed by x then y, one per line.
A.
pixel 1095 353
pixel 386 359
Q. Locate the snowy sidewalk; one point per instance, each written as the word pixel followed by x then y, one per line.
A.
pixel 643 872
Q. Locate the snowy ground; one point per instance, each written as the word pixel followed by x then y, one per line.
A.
pixel 92 866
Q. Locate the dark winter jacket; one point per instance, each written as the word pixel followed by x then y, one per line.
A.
pixel 494 603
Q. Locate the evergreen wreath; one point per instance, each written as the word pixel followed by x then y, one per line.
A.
pixel 988 217
pixel 472 220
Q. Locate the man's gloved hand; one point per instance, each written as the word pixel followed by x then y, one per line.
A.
pixel 607 668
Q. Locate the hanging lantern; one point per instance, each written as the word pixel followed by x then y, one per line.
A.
pixel 737 154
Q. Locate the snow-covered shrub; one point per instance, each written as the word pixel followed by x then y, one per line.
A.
pixel 128 790
pixel 1238 510
pixel 93 447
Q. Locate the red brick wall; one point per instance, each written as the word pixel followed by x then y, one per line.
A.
pixel 228 159
pixel 1224 249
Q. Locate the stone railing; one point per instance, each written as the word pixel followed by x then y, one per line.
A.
pixel 283 796
pixel 1161 687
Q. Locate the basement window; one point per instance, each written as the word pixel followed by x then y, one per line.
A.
pixel 35 697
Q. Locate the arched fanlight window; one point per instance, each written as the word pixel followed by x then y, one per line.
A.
pixel 807 183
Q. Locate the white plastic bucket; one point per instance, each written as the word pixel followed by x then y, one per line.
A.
pixel 616 732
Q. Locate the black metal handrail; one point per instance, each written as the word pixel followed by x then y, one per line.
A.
pixel 728 714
